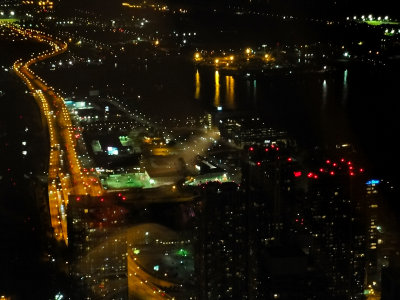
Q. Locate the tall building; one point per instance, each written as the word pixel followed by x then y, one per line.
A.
pixel 248 241
pixel 391 279
pixel 338 232
pixel 374 240
pixel 279 262
pixel 221 244
pixel 98 248
pixel 382 237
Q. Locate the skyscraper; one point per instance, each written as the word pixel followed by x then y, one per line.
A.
pixel 98 248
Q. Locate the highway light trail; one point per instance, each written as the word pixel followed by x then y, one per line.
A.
pixel 64 176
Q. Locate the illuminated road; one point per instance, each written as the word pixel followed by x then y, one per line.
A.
pixel 65 176
pixel 142 284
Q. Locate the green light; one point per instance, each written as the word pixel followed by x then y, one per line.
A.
pixel 59 296
pixel 129 180
pixel 380 22
pixel 182 252
pixel 136 251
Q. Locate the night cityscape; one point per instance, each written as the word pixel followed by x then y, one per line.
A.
pixel 187 149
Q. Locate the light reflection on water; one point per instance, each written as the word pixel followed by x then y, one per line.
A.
pixel 230 92
pixel 345 88
pixel 217 90
pixel 284 101
pixel 324 94
pixel 197 84
pixel 254 90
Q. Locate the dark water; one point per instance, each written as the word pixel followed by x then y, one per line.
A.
pixel 355 104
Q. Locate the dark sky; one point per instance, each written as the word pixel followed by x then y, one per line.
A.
pixel 301 7
pixel 308 6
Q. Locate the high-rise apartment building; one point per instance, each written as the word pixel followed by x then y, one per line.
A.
pixel 98 248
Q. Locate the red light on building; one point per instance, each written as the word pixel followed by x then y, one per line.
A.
pixel 78 198
pixel 124 198
pixel 321 170
pixel 102 199
pixel 297 173
pixel 277 148
pixel 258 163
pixel 273 146
pixel 361 170
pixel 289 159
pixel 332 173
pixel 349 163
pixel 266 149
pixel 351 174
pixel 334 164
pixel 315 176
pixel 342 160
pixel 309 175
pixel 251 149
pixel 328 161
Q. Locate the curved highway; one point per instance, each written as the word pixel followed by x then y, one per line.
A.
pixel 65 176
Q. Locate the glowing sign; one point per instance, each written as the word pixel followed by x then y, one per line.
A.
pixel 112 151
pixel 80 104
pixel 372 181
